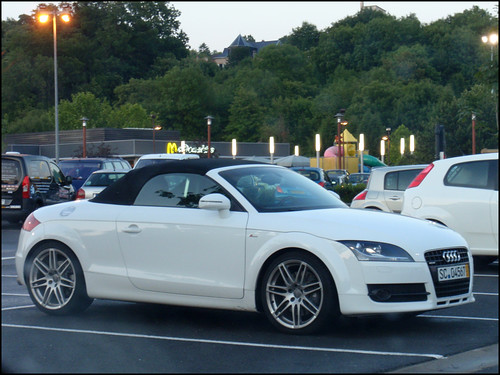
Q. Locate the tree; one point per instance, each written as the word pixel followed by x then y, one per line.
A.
pixel 304 37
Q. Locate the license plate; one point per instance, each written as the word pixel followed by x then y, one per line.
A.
pixel 453 272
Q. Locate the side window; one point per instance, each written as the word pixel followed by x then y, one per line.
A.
pixel 176 190
pixel 471 174
pixel 399 180
pixel 39 169
pixel 108 165
pixel 406 177
pixel 58 175
pixel 391 181
pixel 117 165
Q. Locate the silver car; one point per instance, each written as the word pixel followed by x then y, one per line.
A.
pixel 386 187
pixel 97 182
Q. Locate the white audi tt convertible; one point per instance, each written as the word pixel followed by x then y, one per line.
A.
pixel 238 235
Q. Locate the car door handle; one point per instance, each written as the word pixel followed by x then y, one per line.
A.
pixel 132 229
pixel 394 198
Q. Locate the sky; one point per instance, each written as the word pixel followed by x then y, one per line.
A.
pixel 218 23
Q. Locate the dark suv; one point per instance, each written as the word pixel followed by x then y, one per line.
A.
pixel 30 182
pixel 81 169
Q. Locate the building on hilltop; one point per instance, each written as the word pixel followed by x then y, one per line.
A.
pixel 221 59
pixel 372 7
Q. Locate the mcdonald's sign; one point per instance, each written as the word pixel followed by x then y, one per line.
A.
pixel 171 148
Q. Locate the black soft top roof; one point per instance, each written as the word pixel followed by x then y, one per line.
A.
pixel 125 190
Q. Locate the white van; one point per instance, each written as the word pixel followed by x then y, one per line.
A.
pixel 150 159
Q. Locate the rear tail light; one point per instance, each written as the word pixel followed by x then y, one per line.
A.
pixel 26 187
pixel 361 196
pixel 321 183
pixel 80 194
pixel 30 223
pixel 420 177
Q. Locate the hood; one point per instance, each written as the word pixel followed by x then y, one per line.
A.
pixel 413 235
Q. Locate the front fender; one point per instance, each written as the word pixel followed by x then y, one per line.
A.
pixel 262 245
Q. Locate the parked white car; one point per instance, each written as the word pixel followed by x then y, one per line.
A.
pixel 386 187
pixel 230 234
pixel 462 194
pixel 97 182
pixel 150 159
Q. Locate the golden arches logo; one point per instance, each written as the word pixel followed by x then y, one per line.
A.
pixel 171 148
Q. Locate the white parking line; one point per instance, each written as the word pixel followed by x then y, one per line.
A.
pixel 16 294
pixel 220 342
pixel 457 317
pixel 17 307
pixel 8 258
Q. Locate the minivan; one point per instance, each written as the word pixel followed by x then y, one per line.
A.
pixel 81 168
pixel 30 182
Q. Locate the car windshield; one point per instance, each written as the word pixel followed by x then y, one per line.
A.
pixel 103 179
pixel 280 189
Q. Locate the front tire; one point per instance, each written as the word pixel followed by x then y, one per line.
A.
pixel 55 280
pixel 298 293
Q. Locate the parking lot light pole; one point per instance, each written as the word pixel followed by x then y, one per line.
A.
pixel 361 151
pixel 209 123
pixel 43 15
pixel 318 148
pixel 473 133
pixel 84 125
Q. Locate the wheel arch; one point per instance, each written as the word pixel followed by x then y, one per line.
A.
pixel 31 252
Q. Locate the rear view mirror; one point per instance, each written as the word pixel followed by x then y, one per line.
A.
pixel 214 201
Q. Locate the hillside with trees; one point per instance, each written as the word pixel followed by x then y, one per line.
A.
pixel 120 62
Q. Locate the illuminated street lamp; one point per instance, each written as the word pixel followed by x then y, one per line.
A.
pixel 296 153
pixel 43 14
pixel 271 148
pixel 84 125
pixel 233 148
pixel 361 149
pixel 473 133
pixel 209 123
pixel 402 146
pixel 382 149
pixel 492 40
pixel 412 144
pixel 318 148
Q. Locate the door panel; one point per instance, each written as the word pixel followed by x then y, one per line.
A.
pixel 184 250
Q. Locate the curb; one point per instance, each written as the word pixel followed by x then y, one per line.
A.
pixel 467 362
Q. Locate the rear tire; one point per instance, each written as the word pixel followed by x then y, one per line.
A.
pixel 55 280
pixel 298 293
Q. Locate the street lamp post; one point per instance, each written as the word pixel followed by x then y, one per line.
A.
pixel 492 40
pixel 340 122
pixel 382 149
pixel 84 125
pixel 473 133
pixel 43 16
pixel 318 148
pixel 361 151
pixel 387 137
pixel 271 148
pixel 233 148
pixel 209 123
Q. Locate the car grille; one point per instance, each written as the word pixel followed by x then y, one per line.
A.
pixel 448 257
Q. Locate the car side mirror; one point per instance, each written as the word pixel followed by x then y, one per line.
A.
pixel 215 201
pixel 69 180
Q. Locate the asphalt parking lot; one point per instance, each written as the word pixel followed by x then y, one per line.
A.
pixel 137 338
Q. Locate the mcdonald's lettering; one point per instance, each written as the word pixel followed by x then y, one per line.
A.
pixel 171 148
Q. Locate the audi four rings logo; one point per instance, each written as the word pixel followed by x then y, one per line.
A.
pixel 451 256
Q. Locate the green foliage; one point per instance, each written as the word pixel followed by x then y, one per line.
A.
pixel 347 192
pixel 120 61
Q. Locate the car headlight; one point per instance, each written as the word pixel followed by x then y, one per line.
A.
pixel 377 251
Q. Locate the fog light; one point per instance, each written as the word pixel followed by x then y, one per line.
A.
pixel 380 295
